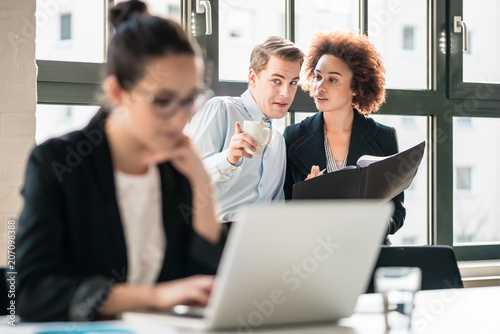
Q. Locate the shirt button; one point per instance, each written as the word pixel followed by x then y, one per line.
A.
pixel 260 186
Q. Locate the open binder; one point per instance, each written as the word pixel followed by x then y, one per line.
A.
pixel 372 177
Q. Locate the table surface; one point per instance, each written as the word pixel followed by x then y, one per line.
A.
pixel 471 310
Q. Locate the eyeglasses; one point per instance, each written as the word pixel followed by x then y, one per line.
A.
pixel 166 106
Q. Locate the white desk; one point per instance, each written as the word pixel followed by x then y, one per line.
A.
pixel 471 311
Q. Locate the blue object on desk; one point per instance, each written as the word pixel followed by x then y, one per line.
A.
pixel 83 328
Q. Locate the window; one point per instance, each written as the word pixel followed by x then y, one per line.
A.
pixel 417 82
pixel 242 25
pixel 414 230
pixel 476 180
pixel 56 120
pixel 408 38
pixel 164 8
pixel 409 240
pixel 408 121
pixel 407 70
pixel 65 27
pixel 484 43
pixel 174 12
pixel 72 31
pixel 465 122
pixel 300 116
pixel 463 178
pixel 311 16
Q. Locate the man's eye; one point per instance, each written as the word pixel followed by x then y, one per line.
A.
pixel 276 81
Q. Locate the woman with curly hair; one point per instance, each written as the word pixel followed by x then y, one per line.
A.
pixel 344 74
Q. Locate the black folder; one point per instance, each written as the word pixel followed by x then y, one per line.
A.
pixel 372 178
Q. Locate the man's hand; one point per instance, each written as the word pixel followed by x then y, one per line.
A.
pixel 239 142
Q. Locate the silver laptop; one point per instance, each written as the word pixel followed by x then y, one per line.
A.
pixel 305 261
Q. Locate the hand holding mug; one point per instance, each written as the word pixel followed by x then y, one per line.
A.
pixel 259 131
pixel 242 146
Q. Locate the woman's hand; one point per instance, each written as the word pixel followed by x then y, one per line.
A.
pixel 187 161
pixel 123 297
pixel 184 158
pixel 192 291
pixel 314 172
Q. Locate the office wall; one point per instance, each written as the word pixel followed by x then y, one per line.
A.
pixel 17 106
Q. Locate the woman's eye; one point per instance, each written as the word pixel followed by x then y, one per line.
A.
pixel 189 101
pixel 162 102
pixel 333 80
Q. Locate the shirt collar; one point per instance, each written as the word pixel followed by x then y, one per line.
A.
pixel 252 107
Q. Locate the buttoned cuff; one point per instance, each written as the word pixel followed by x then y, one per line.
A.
pixel 226 169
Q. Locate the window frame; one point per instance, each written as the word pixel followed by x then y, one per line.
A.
pixel 72 83
pixel 459 89
pixel 79 83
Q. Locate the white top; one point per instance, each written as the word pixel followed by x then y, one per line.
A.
pixel 256 180
pixel 139 201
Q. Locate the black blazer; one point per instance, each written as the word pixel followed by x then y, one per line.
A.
pixel 305 148
pixel 70 242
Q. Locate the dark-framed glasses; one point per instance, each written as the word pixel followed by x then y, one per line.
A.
pixel 166 105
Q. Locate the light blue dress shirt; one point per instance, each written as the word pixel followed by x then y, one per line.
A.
pixel 259 179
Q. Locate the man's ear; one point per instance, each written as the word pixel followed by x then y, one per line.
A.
pixel 252 78
pixel 113 90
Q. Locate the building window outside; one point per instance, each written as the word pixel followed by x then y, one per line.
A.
pixel 408 121
pixel 66 27
pixel 409 240
pixel 174 12
pixel 463 181
pixel 465 122
pixel 57 120
pixel 409 38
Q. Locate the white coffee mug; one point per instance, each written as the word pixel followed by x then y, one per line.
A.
pixel 260 132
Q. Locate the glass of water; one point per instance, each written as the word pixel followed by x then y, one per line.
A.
pixel 398 286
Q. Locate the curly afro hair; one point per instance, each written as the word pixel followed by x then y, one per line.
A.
pixel 362 59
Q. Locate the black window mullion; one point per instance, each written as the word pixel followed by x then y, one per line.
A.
pixel 289 20
pixel 363 17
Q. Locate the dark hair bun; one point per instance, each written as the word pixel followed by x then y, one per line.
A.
pixel 125 11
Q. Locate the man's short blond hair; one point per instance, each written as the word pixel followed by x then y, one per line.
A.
pixel 274 46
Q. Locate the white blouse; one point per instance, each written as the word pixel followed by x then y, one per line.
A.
pixel 139 201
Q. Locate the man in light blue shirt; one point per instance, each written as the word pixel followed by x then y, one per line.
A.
pixel 216 130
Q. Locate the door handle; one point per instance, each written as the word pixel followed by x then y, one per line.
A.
pixel 459 26
pixel 204 6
